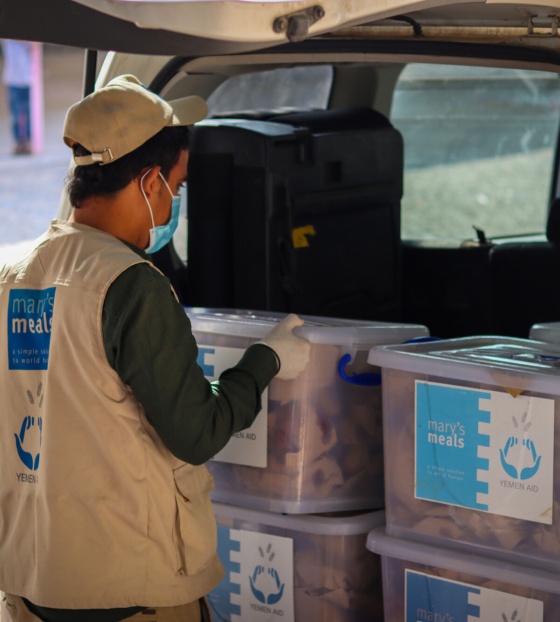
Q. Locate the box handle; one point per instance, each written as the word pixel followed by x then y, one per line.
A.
pixel 370 379
pixel 366 379
pixel 422 340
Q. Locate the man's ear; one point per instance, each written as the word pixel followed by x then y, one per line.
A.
pixel 150 180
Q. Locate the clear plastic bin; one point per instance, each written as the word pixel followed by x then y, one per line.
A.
pixel 297 568
pixel 422 582
pixel 317 444
pixel 470 436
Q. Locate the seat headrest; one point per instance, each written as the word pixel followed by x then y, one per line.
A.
pixel 336 120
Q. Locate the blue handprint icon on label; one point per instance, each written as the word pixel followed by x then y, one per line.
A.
pixel 534 460
pixel 30 437
pixel 29 458
pixel 524 454
pixel 265 582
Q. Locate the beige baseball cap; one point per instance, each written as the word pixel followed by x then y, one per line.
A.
pixel 121 116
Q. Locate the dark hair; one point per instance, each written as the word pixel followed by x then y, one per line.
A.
pixel 163 149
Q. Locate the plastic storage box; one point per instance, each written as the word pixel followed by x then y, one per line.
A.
pixel 547 331
pixel 317 444
pixel 422 582
pixel 297 568
pixel 471 435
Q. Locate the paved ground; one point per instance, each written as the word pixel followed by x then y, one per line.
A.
pixel 30 186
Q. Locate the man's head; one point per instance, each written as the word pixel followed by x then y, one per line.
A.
pixel 120 130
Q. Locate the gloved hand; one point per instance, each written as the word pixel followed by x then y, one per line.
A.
pixel 292 351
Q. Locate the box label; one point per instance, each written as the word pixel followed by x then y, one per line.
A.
pixel 248 447
pixel 442 600
pixel 485 450
pixel 259 582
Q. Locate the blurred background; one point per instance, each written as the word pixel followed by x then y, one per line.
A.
pixel 30 185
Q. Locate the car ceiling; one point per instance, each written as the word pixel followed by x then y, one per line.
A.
pixel 207 27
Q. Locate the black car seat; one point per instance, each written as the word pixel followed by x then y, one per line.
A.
pixel 298 212
pixel 524 280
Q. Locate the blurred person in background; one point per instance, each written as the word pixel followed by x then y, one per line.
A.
pixel 17 75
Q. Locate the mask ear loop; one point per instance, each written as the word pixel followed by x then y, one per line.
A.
pixel 146 198
pixel 167 186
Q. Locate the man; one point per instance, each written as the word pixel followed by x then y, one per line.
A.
pixel 17 75
pixel 107 418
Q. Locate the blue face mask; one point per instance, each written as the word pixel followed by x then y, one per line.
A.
pixel 162 234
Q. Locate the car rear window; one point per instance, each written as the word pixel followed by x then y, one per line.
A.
pixel 479 149
pixel 296 88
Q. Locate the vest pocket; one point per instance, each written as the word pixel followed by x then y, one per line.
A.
pixel 195 526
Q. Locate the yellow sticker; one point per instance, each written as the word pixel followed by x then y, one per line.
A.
pixel 502 379
pixel 513 392
pixel 299 236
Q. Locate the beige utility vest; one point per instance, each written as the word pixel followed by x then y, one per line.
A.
pixel 95 512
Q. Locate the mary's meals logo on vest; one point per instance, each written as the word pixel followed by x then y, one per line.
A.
pixel 30 317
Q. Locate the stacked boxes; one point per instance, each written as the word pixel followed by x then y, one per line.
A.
pixel 315 448
pixel 317 444
pixel 422 582
pixel 469 439
pixel 299 567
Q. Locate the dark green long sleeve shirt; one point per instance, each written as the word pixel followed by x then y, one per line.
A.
pixel 148 341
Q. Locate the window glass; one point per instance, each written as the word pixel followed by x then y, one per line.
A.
pixel 479 149
pixel 296 87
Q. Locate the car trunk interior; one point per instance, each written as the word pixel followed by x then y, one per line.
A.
pixel 238 235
